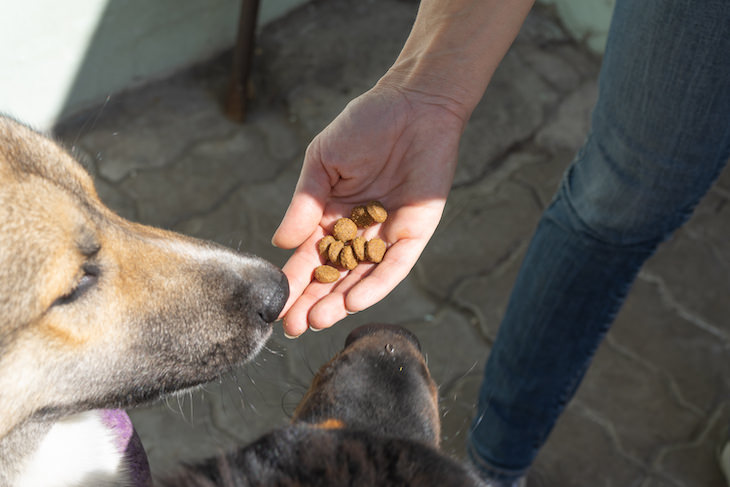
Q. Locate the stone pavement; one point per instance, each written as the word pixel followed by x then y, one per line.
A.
pixel 655 405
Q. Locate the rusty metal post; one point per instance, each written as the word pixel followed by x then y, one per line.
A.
pixel 236 99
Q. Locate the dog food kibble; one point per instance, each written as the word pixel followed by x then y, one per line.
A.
pixel 345 248
pixel 361 217
pixel 358 247
pixel 324 244
pixel 375 250
pixel 333 252
pixel 376 211
pixel 326 273
pixel 345 230
pixel 347 258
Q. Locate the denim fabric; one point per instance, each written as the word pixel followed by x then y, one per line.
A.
pixel 660 135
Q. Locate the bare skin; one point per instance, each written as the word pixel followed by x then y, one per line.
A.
pixel 396 143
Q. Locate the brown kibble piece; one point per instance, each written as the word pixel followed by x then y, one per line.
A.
pixel 358 247
pixel 345 249
pixel 361 217
pixel 324 244
pixel 375 250
pixel 347 258
pixel 345 230
pixel 333 252
pixel 376 211
pixel 326 273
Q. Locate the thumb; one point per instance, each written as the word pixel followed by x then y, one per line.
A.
pixel 305 209
pixel 300 220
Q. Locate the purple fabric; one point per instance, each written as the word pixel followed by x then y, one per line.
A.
pixel 128 444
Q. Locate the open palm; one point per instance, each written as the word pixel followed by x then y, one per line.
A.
pixel 389 145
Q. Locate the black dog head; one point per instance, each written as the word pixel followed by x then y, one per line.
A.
pixel 370 418
pixel 378 383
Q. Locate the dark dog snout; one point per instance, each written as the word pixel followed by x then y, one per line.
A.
pixel 375 328
pixel 274 292
pixel 258 293
pixel 270 292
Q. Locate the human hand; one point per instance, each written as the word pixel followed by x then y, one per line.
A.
pixel 391 145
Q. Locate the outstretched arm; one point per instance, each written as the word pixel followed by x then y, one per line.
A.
pixel 396 143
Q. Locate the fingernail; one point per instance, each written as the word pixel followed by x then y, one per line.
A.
pixel 350 312
pixel 290 337
pixel 315 329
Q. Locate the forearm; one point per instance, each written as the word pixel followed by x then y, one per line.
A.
pixel 454 48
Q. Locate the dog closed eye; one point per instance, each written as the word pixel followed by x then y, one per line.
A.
pixel 88 280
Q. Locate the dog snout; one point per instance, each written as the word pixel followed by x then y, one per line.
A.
pixel 273 291
pixel 375 328
pixel 259 292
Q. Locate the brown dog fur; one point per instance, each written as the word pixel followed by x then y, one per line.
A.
pixel 99 312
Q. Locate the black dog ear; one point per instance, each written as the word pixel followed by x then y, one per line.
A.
pixel 374 328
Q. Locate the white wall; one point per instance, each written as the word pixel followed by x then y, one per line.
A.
pixel 57 57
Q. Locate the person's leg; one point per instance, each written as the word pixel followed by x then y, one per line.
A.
pixel 660 135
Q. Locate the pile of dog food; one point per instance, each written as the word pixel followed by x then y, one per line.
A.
pixel 345 248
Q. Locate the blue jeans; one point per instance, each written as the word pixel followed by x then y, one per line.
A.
pixel 660 136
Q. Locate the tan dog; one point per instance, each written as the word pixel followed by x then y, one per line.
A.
pixel 99 312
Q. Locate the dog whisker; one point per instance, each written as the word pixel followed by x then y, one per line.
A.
pixel 278 353
pixel 192 417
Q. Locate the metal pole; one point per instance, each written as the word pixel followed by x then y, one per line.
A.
pixel 236 99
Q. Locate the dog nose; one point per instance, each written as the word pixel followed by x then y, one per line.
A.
pixel 373 328
pixel 273 292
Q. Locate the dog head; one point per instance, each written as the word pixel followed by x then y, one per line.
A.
pixel 370 417
pixel 97 311
pixel 378 383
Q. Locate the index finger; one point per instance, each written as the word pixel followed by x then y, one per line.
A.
pixel 298 269
pixel 369 287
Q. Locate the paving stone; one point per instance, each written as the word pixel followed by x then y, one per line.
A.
pixel 560 72
pixel 699 253
pixel 316 106
pixel 723 181
pixel 581 452
pixel 500 214
pixel 694 462
pixel 543 177
pixel 147 131
pixel 657 481
pixel 694 360
pixel 584 62
pixel 568 128
pixel 615 384
pixel 499 222
pixel 282 138
pixel 487 296
pixel 247 218
pixel 511 111
pixel 209 170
